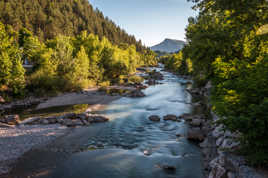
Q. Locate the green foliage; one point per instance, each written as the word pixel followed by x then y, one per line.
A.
pixel 64 63
pixel 177 63
pixel 228 44
pixel 11 70
pixel 135 79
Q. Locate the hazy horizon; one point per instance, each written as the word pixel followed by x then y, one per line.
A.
pixel 151 21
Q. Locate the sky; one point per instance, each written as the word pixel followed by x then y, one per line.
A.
pixel 149 20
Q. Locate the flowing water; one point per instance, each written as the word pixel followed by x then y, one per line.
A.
pixel 130 145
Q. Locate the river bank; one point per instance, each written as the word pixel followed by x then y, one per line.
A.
pixel 15 140
pixel 219 145
pixel 42 128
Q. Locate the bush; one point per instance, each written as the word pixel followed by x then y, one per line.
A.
pixel 135 79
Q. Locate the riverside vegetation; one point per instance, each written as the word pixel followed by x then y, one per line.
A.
pixel 228 45
pixel 70 45
pixel 64 63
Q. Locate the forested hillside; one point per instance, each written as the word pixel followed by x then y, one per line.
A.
pixel 48 19
pixel 228 45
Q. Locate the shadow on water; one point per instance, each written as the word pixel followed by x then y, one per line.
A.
pixel 129 146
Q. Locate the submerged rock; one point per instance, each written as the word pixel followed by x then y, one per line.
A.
pixel 154 118
pixel 170 117
pixel 195 134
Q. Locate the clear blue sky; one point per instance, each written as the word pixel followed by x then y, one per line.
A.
pixel 149 20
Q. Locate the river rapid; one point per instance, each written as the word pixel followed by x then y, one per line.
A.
pixel 129 146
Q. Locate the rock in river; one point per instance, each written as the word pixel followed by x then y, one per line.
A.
pixel 136 94
pixel 170 117
pixel 154 118
pixel 10 119
pixel 195 134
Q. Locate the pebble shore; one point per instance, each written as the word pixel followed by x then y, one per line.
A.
pixel 14 142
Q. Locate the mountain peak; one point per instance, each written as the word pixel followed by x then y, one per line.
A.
pixel 169 45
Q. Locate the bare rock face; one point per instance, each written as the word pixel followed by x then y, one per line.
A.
pixel 154 118
pixel 10 119
pixel 170 117
pixel 195 134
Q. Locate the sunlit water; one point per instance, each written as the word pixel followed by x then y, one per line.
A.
pixel 116 149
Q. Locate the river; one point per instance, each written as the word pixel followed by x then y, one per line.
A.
pixel 129 146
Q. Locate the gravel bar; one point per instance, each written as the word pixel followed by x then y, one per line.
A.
pixel 14 142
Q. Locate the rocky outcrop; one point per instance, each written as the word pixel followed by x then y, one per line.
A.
pixel 218 143
pixel 69 120
pixel 227 165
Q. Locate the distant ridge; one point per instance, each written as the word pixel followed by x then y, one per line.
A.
pixel 169 46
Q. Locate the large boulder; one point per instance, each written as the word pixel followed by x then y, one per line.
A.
pixel 170 117
pixel 95 118
pixel 136 94
pixel 196 123
pixel 10 119
pixel 156 75
pixel 195 134
pixel 154 118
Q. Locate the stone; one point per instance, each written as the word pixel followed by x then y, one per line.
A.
pixel 218 131
pixel 136 94
pixel 195 134
pixel 147 153
pixel 70 116
pixel 10 119
pixel 52 120
pixel 187 117
pixel 196 122
pixel 2 100
pixel 85 122
pixel 219 141
pixel 97 118
pixel 229 144
pixel 82 116
pixel 170 117
pixel 44 121
pixel 168 167
pixel 154 118
pixel 205 143
pixel 68 122
pixel 231 175
pixel 30 121
pixel 2 125
pixel 178 135
pixel 151 82
pixel 217 172
pixel 77 122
